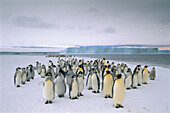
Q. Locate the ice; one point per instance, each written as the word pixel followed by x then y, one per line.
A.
pixel 151 98
pixel 107 50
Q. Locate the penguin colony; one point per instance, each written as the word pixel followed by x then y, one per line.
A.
pixel 71 73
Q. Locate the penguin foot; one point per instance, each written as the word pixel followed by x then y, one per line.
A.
pixel 134 87
pixel 28 80
pixel 117 106
pixel 81 94
pixel 105 97
pixel 94 91
pixel 144 83
pixel 23 83
pixel 120 106
pixel 128 88
pixel 50 102
pixel 98 92
pixel 78 95
pixel 139 85
pixel 18 86
pixel 46 102
pixel 109 96
pixel 76 98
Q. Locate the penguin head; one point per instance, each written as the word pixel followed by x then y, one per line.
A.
pixel 129 70
pixel 145 66
pixel 119 76
pixel 18 68
pixel 74 76
pixel 153 68
pixel 103 58
pixel 23 68
pixel 107 72
pixel 48 74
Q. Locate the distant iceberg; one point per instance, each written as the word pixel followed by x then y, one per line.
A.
pixel 107 50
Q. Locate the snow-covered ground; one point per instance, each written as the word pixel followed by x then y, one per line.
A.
pixel 151 98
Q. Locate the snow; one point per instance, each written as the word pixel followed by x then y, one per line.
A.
pixel 151 98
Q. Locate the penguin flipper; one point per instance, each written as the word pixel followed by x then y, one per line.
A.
pixel 53 90
pixel 87 79
pixel 98 82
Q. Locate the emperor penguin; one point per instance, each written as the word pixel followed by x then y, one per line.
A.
pixel 80 69
pixel 80 83
pixel 31 71
pixel 125 69
pixel 95 83
pixel 145 75
pixel 128 79
pixel 27 74
pixel 118 68
pixel 38 67
pixel 48 89
pixel 69 75
pixel 74 67
pixel 89 80
pixel 17 77
pixel 73 89
pixel 85 69
pixel 153 74
pixel 104 61
pixel 60 86
pixel 122 67
pixel 119 92
pixel 51 63
pixel 139 75
pixel 43 71
pixel 135 79
pixel 108 85
pixel 23 76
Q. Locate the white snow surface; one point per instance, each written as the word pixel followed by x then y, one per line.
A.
pixel 151 98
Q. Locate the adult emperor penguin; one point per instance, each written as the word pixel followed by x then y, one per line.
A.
pixel 153 74
pixel 60 86
pixel 69 75
pixel 95 83
pixel 139 75
pixel 23 76
pixel 135 79
pixel 103 61
pixel 17 77
pixel 108 85
pixel 27 73
pixel 145 74
pixel 48 89
pixel 128 79
pixel 31 71
pixel 38 67
pixel 80 83
pixel 119 92
pixel 89 80
pixel 73 89
pixel 43 71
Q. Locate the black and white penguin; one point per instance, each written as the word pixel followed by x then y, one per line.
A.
pixel 128 79
pixel 27 74
pixel 69 75
pixel 108 85
pixel 17 77
pixel 139 75
pixel 95 83
pixel 38 67
pixel 80 83
pixel 73 89
pixel 145 75
pixel 31 71
pixel 118 68
pixel 60 86
pixel 48 89
pixel 43 71
pixel 125 69
pixel 23 76
pixel 119 92
pixel 153 74
pixel 134 80
pixel 89 80
pixel 122 67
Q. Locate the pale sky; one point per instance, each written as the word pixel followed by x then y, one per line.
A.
pixel 84 22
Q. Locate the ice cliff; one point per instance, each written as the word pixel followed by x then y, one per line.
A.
pixel 107 50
